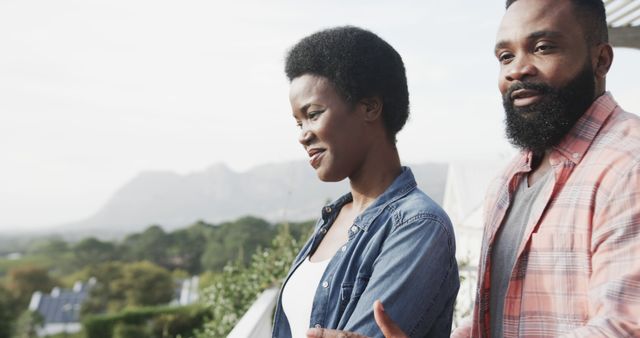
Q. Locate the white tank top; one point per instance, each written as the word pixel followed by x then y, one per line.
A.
pixel 298 294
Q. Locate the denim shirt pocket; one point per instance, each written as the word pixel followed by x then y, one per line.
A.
pixel 352 291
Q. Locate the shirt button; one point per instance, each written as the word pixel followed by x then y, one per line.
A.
pixel 327 209
pixel 576 155
pixel 344 248
pixel 318 326
pixel 354 229
pixel 325 284
pixel 323 231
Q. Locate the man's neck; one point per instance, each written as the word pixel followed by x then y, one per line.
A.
pixel 539 166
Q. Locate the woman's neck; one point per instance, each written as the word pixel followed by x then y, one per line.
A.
pixel 375 175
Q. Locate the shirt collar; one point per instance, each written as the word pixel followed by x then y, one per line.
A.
pixel 404 183
pixel 576 143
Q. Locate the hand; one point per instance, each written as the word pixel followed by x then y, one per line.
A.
pixel 385 323
pixel 464 330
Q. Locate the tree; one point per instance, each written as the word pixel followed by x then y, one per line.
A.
pixel 7 312
pixel 102 298
pixel 187 246
pixel 92 251
pixel 237 286
pixel 150 245
pixel 144 283
pixel 120 285
pixel 22 282
pixel 235 241
pixel 27 324
pixel 52 246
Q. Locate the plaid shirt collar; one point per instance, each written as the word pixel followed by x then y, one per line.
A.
pixel 576 143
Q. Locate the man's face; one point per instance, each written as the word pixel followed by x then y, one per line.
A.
pixel 546 75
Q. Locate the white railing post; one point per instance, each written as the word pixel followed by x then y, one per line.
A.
pixel 256 322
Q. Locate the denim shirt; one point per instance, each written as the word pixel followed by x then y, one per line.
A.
pixel 401 250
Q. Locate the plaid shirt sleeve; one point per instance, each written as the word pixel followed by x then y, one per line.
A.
pixel 614 284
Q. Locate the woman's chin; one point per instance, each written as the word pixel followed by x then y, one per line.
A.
pixel 328 176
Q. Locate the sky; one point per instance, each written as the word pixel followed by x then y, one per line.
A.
pixel 94 92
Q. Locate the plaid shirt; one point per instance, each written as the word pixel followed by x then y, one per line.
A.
pixel 577 272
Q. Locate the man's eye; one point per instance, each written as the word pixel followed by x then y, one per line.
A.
pixel 298 124
pixel 544 48
pixel 505 57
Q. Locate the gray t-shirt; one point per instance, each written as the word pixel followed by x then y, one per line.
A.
pixel 505 247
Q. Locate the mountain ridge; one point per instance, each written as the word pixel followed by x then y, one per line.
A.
pixel 276 192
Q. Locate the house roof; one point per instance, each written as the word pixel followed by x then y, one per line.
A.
pixel 61 305
pixel 623 18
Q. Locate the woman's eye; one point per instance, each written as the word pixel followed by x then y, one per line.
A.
pixel 312 115
pixel 298 124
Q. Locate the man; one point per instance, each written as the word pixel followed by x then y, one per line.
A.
pixel 561 249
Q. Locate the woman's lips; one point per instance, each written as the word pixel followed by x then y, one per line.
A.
pixel 315 157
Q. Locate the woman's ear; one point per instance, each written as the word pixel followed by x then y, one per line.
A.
pixel 372 108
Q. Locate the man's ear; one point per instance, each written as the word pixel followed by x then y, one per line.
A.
pixel 372 108
pixel 603 60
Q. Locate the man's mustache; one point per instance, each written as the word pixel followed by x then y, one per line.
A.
pixel 539 87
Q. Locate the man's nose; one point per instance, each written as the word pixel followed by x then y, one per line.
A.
pixel 520 69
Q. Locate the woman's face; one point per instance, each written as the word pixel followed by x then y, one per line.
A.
pixel 332 131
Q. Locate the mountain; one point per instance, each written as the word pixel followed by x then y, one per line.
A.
pixel 284 191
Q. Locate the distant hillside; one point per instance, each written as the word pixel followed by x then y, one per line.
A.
pixel 275 192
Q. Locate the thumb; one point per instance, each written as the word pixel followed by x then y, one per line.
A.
pixel 386 324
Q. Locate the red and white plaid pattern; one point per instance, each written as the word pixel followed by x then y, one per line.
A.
pixel 578 267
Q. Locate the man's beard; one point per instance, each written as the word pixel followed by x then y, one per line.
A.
pixel 542 125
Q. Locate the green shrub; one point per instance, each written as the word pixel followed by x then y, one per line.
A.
pixel 233 291
pixel 122 330
pixel 161 322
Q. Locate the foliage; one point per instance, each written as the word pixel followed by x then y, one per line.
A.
pixel 199 249
pixel 233 241
pixel 27 324
pixel 460 311
pixel 50 246
pixel 237 287
pixel 23 281
pixel 31 260
pixel 187 246
pixel 145 283
pixel 68 335
pixel 149 245
pixel 7 312
pixel 121 285
pixel 123 330
pixel 207 279
pixel 161 322
pixel 102 296
pixel 92 251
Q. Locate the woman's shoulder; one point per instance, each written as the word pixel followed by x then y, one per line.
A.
pixel 417 206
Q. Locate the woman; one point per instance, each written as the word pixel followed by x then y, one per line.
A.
pixel 385 239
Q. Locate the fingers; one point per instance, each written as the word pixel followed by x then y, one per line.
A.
pixel 326 333
pixel 386 324
pixel 461 334
pixel 464 330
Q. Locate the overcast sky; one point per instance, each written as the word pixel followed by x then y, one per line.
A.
pixel 94 92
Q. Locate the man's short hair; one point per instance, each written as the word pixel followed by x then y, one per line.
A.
pixel 359 64
pixel 593 17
